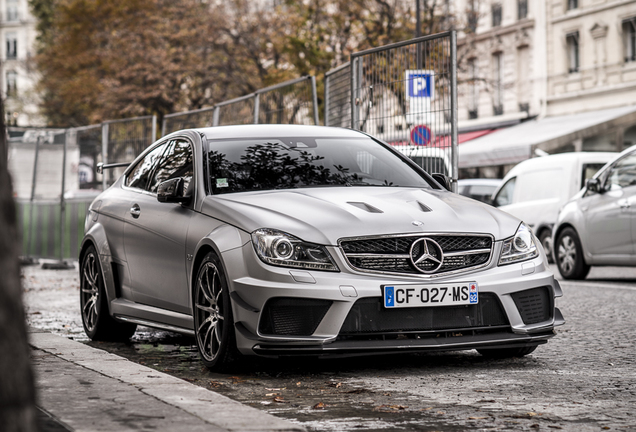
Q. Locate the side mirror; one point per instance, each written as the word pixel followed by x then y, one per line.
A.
pixel 593 185
pixel 443 180
pixel 171 191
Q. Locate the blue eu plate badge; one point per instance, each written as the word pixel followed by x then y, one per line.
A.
pixel 389 297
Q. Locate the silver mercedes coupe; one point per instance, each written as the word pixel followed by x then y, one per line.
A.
pixel 283 240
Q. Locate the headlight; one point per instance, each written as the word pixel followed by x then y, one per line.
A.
pixel 521 247
pixel 281 249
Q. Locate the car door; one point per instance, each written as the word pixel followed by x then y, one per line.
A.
pixel 609 216
pixel 155 235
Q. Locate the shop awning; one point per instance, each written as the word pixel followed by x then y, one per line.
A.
pixel 517 143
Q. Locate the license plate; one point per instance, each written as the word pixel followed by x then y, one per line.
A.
pixel 458 293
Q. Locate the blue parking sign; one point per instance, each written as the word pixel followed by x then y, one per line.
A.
pixel 420 85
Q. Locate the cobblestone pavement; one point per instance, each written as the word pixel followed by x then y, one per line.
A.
pixel 584 379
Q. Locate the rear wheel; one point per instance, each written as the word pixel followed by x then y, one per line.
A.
pixel 501 353
pixel 98 324
pixel 569 255
pixel 213 320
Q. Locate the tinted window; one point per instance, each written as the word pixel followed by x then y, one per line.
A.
pixel 506 193
pixel 283 163
pixel 176 162
pixel 138 177
pixel 623 173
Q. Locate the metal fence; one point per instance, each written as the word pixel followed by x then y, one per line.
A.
pixel 338 96
pixel 291 102
pixel 404 94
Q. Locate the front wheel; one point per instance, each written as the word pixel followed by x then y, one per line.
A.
pixel 569 255
pixel 213 320
pixel 501 353
pixel 98 324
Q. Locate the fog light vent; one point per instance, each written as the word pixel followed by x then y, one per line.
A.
pixel 535 305
pixel 292 316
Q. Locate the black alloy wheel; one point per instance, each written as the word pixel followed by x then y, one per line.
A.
pixel 98 324
pixel 213 320
pixel 569 255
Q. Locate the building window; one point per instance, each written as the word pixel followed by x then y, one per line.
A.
pixel 572 43
pixel 12 10
pixel 12 83
pixel 496 14
pixel 522 9
pixel 12 45
pixel 472 16
pixel 573 4
pixel 473 90
pixel 497 102
pixel 629 39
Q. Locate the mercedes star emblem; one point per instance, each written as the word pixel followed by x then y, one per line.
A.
pixel 426 255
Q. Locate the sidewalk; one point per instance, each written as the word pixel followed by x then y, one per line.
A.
pixel 86 389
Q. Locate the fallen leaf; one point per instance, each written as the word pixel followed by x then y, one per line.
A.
pixel 441 412
pixel 319 406
pixel 275 389
pixel 477 418
pixel 390 408
pixel 280 399
pixel 298 383
pixel 272 394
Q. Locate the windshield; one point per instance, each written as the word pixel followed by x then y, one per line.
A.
pixel 287 162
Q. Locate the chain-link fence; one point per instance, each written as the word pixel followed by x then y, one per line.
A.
pixel 404 94
pixel 123 141
pixel 338 96
pixel 291 102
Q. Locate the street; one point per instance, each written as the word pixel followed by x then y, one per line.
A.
pixel 584 379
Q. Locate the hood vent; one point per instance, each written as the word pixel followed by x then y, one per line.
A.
pixel 365 207
pixel 421 206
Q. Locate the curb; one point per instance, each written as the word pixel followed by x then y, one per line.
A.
pixel 126 389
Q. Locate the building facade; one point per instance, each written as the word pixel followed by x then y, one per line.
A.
pixel 530 60
pixel 17 72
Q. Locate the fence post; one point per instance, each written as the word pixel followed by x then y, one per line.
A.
pixel 104 152
pixel 314 99
pixel 354 92
pixel 154 128
pixel 28 259
pixel 454 150
pixel 215 115
pixel 257 106
pixel 61 265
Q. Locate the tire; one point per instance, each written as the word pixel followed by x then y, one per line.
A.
pixel 545 237
pixel 569 255
pixel 97 322
pixel 213 319
pixel 501 353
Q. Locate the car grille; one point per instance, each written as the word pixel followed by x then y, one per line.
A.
pixel 292 316
pixel 369 316
pixel 534 305
pixel 392 254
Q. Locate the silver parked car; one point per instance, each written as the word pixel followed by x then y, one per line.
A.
pixel 596 227
pixel 285 240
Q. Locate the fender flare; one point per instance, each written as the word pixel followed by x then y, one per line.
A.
pixel 96 236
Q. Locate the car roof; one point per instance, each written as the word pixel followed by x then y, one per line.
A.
pixel 274 130
pixel 480 182
pixel 560 159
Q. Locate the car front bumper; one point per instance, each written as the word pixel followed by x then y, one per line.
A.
pixel 324 303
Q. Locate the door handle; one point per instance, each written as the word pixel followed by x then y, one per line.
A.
pixel 135 211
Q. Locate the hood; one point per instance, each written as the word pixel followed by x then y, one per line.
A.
pixel 324 215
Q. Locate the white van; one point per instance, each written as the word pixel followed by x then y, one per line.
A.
pixel 535 189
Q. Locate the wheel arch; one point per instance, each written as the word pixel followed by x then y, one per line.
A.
pixel 96 237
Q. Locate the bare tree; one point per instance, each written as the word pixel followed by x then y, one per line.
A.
pixel 17 390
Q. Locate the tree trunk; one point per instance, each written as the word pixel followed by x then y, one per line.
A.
pixel 17 390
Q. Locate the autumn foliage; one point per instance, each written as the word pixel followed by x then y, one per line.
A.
pixel 109 59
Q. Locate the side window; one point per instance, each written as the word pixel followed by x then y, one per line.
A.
pixel 506 193
pixel 138 177
pixel 176 162
pixel 589 170
pixel 623 173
